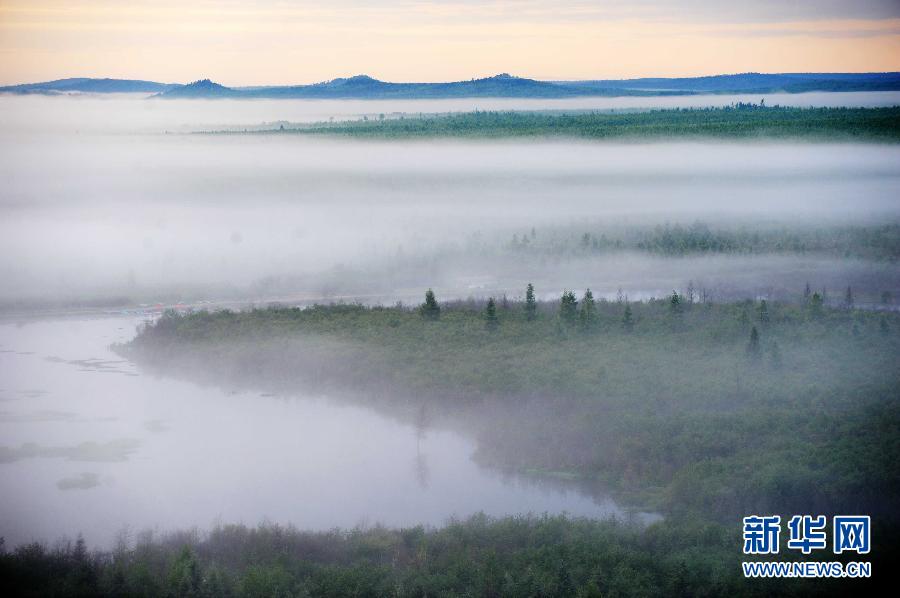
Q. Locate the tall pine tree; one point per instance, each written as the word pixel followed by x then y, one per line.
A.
pixel 530 303
pixel 588 312
pixel 568 307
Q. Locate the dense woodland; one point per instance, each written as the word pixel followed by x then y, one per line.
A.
pixel 876 242
pixel 766 408
pixel 740 121
pixel 480 556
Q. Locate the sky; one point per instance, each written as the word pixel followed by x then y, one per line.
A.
pixel 243 42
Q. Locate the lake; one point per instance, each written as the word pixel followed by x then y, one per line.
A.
pixel 89 443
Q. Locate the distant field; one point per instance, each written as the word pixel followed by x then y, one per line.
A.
pixel 742 121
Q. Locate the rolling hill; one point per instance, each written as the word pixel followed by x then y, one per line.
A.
pixel 87 85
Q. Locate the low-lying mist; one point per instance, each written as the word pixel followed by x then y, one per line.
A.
pixel 93 213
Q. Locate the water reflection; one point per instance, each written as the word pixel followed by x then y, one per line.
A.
pixel 81 482
pixel 421 462
pixel 115 450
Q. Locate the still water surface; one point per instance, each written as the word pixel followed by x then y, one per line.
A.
pixel 89 443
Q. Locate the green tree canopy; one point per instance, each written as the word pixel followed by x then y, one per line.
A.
pixel 568 307
pixel 530 303
pixel 430 310
pixel 588 312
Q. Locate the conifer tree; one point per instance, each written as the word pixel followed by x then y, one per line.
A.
pixel 848 298
pixel 675 306
pixel 568 307
pixel 588 313
pixel 530 303
pixel 430 310
pixel 185 577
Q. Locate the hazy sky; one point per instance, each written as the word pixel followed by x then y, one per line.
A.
pixel 303 41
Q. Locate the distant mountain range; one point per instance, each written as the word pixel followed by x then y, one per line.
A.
pixel 503 85
pixel 84 85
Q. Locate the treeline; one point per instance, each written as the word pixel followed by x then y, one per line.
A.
pixel 480 556
pixel 741 121
pixel 877 242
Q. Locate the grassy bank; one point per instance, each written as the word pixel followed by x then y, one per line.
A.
pixel 742 121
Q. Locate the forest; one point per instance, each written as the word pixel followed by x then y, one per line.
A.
pixel 875 242
pixel 478 556
pixel 743 121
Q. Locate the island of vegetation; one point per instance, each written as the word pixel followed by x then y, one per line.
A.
pixel 748 423
pixel 740 121
pixel 768 407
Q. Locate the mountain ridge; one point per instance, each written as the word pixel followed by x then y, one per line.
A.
pixel 363 86
pixel 90 85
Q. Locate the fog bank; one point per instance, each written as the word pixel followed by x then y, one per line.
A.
pixel 93 206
